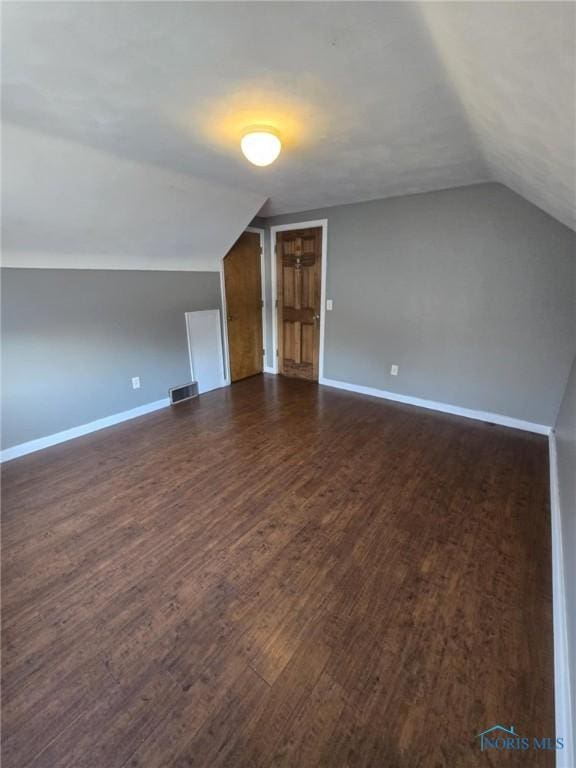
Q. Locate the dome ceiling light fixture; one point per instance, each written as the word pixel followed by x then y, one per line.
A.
pixel 260 144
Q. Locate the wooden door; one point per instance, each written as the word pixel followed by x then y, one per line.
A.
pixel 299 256
pixel 243 285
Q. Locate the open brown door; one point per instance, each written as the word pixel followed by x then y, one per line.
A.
pixel 243 285
pixel 299 255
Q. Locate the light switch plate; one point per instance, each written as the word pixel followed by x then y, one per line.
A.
pixel 329 305
pixel 136 382
pixel 394 370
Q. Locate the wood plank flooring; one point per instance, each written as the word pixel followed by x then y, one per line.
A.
pixel 278 574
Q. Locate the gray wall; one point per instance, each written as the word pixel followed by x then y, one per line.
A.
pixel 471 291
pixel 73 339
pixel 566 447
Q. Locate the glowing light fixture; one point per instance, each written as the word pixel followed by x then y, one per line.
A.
pixel 260 145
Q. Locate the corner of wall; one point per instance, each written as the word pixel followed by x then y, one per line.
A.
pixel 563 694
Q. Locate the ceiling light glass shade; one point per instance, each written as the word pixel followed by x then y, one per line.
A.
pixel 261 146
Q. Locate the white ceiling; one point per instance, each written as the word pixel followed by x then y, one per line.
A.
pixel 68 206
pixel 374 99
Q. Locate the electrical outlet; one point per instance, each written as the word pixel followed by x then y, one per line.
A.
pixel 136 382
pixel 394 370
pixel 329 305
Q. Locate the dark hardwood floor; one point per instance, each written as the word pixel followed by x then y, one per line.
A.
pixel 277 575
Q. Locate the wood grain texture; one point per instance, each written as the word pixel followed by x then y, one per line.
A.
pixel 299 270
pixel 277 574
pixel 243 282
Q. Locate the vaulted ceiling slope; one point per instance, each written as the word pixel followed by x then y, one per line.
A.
pixel 68 206
pixel 374 99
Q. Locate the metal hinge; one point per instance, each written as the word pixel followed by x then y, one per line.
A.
pixel 276 303
pixel 263 352
pixel 262 303
pixel 276 351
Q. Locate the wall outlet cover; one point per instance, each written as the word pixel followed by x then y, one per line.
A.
pixel 136 382
pixel 394 370
pixel 329 305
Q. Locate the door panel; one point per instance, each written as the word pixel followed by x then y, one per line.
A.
pixel 243 286
pixel 299 254
pixel 205 348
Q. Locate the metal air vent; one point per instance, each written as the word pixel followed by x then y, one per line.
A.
pixel 185 392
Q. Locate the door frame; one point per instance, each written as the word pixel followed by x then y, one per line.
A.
pixel 323 224
pixel 259 231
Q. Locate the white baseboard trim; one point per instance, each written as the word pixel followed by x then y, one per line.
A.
pixel 565 758
pixel 84 429
pixel 493 418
